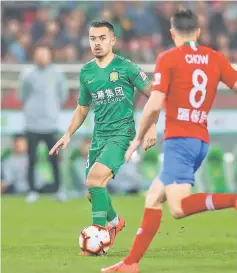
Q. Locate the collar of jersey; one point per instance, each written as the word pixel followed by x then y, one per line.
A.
pixel 191 43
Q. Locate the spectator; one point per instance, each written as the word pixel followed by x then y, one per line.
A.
pixel 42 91
pixel 70 54
pixel 15 169
pixel 143 20
pixel 38 27
pixel 163 13
pixel 58 54
pixel 51 34
pixel 205 38
pixel 139 22
pixel 11 30
pixel 72 32
pixel 230 21
pixel 222 42
pixel 20 48
pixel 121 19
pixel 108 15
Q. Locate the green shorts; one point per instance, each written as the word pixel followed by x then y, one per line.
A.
pixel 109 151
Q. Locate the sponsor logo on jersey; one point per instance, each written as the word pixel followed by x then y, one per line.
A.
pixel 114 76
pixel 143 75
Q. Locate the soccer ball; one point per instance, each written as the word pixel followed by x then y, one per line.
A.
pixel 95 240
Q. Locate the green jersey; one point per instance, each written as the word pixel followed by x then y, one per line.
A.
pixel 111 90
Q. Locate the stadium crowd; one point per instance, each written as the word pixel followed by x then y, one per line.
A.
pixel 143 31
pixel 142 28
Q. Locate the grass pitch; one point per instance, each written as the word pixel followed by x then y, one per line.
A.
pixel 43 238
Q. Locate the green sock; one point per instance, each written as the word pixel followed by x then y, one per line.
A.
pixel 111 212
pixel 100 205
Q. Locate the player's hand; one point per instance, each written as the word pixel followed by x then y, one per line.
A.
pixel 61 143
pixel 150 138
pixel 132 148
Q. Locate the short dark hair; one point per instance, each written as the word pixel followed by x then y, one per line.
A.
pixel 185 21
pixel 102 24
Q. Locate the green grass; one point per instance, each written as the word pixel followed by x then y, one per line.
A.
pixel 43 238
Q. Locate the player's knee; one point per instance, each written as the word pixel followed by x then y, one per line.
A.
pixel 176 212
pixel 153 200
pixel 94 180
pixel 91 183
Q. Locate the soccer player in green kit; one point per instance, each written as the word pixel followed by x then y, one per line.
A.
pixel 108 82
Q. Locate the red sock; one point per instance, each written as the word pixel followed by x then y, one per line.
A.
pixel 150 224
pixel 200 202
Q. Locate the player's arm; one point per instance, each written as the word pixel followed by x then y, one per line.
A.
pixel 82 109
pixel 155 101
pixel 142 83
pixel 140 80
pixel 228 73
pixel 78 117
pixel 146 91
pixel 151 113
pixel 149 116
pixel 159 90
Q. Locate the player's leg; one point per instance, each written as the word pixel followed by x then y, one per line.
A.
pixel 112 217
pixel 183 203
pixel 155 198
pixel 97 179
pixel 98 175
pixel 94 153
pixel 150 224
pixel 113 157
pixel 189 154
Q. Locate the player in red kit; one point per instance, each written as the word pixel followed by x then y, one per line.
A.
pixel 185 81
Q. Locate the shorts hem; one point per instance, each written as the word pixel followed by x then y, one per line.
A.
pixel 107 165
pixel 166 181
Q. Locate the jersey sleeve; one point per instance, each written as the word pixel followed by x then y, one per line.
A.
pixel 228 73
pixel 84 94
pixel 137 77
pixel 162 73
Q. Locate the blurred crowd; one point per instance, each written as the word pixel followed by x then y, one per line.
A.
pixel 133 177
pixel 218 173
pixel 142 28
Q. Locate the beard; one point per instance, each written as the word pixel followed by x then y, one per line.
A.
pixel 100 54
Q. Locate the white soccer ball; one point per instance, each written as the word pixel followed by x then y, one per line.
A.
pixel 95 240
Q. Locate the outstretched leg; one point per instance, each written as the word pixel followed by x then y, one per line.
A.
pixel 149 226
pixel 183 203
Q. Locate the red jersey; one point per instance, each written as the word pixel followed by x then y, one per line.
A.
pixel 189 76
